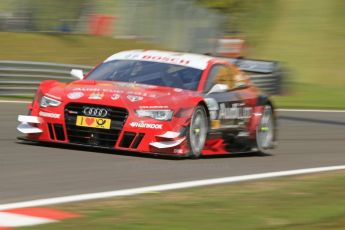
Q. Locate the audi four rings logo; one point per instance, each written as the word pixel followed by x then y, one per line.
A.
pixel 98 112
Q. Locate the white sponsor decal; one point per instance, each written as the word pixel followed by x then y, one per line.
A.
pixel 234 112
pixel 50 115
pixel 75 95
pixel 116 91
pixel 141 124
pixel 98 90
pixel 161 58
pixel 134 85
pixel 180 151
pixel 213 114
pixel 115 96
pixel 96 96
pixel 213 107
pixel 134 98
pixel 154 107
pixel 184 59
pixel 144 94
pixel 87 89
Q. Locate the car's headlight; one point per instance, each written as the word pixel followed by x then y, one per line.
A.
pixel 47 101
pixel 158 114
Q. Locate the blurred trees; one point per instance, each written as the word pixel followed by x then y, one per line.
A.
pixel 239 12
pixel 41 15
pixel 223 5
pixel 53 14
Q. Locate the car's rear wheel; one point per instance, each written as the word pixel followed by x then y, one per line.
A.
pixel 265 131
pixel 197 132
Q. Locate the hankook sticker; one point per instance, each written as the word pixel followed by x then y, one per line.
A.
pixel 50 115
pixel 141 124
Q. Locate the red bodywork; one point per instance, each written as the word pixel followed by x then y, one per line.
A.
pixel 182 102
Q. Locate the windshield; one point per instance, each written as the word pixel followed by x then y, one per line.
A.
pixel 145 72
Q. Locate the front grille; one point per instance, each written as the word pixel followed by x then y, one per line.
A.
pixel 94 136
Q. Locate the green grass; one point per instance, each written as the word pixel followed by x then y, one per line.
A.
pixel 307 95
pixel 63 48
pixel 21 98
pixel 307 36
pixel 305 202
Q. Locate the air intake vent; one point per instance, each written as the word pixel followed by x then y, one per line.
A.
pixel 51 132
pixel 59 132
pixel 127 139
pixel 137 140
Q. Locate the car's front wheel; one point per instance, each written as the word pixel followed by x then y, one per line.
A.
pixel 197 132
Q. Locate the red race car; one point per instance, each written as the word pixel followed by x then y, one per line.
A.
pixel 155 102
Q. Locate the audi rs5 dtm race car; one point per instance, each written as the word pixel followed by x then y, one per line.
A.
pixel 155 102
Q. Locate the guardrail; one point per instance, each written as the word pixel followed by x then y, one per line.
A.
pixel 271 84
pixel 266 75
pixel 21 78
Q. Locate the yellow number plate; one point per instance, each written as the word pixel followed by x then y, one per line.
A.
pixel 94 122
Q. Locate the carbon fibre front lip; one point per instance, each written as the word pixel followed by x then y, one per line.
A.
pixel 87 147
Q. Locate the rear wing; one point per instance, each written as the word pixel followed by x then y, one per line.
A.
pixel 267 75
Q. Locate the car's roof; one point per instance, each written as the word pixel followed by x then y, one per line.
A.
pixel 196 61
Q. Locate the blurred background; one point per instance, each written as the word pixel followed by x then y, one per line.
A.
pixel 307 36
pixel 179 25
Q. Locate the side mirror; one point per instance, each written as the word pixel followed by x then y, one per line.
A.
pixel 218 88
pixel 77 73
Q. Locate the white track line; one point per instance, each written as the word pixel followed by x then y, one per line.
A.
pixel 164 187
pixel 311 110
pixel 279 110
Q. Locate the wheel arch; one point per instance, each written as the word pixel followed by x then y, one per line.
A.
pixel 203 103
pixel 265 100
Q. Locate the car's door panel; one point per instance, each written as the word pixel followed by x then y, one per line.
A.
pixel 232 113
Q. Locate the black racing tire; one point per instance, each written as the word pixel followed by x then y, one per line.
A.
pixel 266 131
pixel 197 132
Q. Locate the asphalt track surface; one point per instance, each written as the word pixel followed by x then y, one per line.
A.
pixel 27 172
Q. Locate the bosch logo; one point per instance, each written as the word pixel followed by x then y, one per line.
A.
pixel 96 112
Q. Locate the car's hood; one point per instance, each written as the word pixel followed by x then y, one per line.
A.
pixel 120 94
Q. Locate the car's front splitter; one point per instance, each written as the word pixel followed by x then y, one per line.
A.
pixel 95 148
